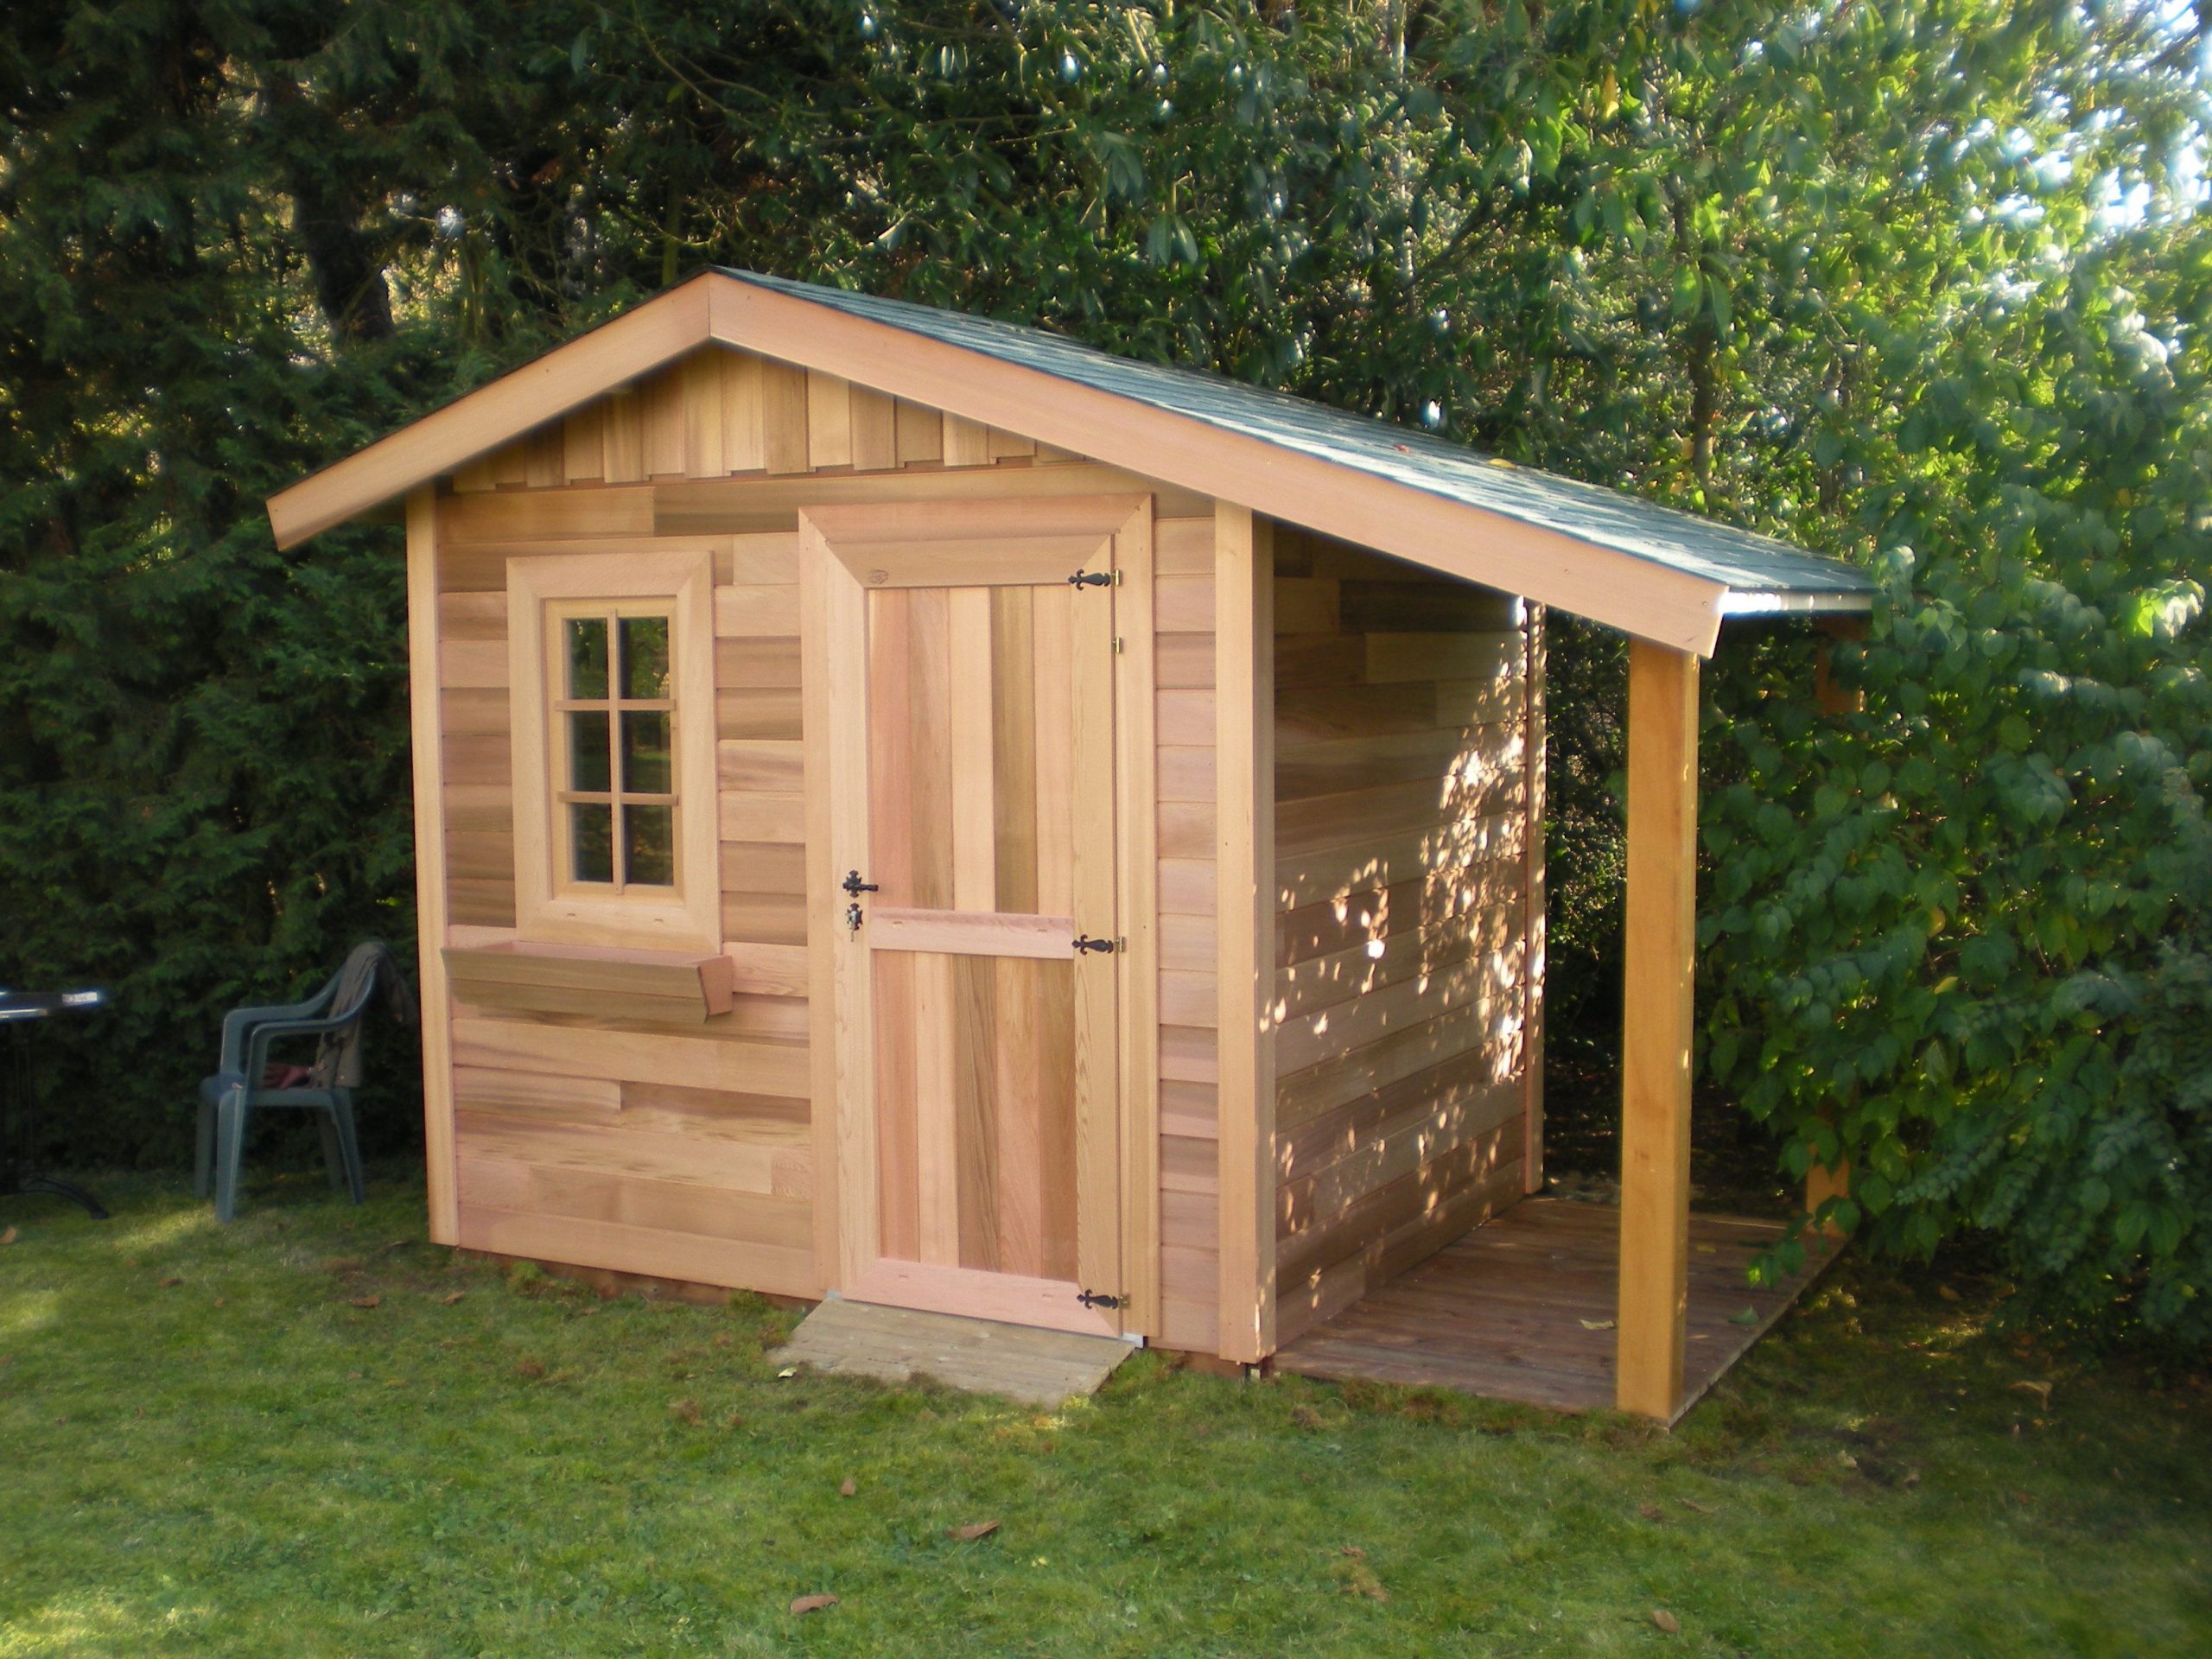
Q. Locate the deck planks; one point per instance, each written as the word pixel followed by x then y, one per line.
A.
pixel 1506 1311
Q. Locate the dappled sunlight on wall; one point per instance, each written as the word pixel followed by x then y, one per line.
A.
pixel 1402 899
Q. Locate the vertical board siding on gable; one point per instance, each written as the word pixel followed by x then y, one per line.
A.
pixel 558 1157
pixel 1402 711
pixel 720 412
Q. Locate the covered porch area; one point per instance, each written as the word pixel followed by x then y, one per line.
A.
pixel 1638 1306
pixel 1525 1308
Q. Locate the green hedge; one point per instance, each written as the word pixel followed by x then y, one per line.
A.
pixel 1923 277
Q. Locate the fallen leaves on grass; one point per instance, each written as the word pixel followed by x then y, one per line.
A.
pixel 371 1300
pixel 529 1365
pixel 340 1264
pixel 787 1373
pixel 2041 1390
pixel 171 1282
pixel 813 1604
pixel 1304 1417
pixel 848 1487
pixel 688 1410
pixel 1651 1511
pixel 1692 1504
pixel 8 1236
pixel 971 1532
pixel 1357 1578
pixel 1666 1621
pixel 451 1297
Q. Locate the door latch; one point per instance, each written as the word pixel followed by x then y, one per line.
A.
pixel 856 886
pixel 1099 1299
pixel 1084 942
pixel 1091 579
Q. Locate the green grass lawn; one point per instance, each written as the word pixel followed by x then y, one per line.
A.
pixel 312 1433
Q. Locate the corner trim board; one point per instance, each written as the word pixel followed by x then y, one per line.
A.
pixel 1244 838
pixel 441 1171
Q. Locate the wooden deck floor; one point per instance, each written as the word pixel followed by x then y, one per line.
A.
pixel 1507 1311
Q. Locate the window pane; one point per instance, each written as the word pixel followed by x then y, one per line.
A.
pixel 644 657
pixel 588 757
pixel 645 769
pixel 649 858
pixel 591 827
pixel 587 656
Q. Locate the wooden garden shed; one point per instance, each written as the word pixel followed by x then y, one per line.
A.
pixel 912 808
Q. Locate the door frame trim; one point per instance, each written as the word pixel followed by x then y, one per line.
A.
pixel 842 549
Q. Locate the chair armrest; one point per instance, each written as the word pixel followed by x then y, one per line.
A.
pixel 258 1039
pixel 239 1022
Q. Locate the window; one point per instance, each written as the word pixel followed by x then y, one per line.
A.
pixel 612 694
pixel 619 792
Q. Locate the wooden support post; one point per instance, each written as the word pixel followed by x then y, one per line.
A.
pixel 1822 1184
pixel 1532 913
pixel 1662 701
pixel 1244 847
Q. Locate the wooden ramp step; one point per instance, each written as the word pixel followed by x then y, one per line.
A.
pixel 1041 1368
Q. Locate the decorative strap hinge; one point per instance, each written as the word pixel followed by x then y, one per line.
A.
pixel 1084 942
pixel 1099 1299
pixel 1091 579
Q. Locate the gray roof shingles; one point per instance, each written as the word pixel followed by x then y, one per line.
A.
pixel 1760 572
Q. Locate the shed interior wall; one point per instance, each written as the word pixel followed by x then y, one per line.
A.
pixel 1405 1038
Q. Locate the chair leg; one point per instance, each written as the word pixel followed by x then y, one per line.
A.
pixel 230 1150
pixel 333 1159
pixel 203 1152
pixel 349 1146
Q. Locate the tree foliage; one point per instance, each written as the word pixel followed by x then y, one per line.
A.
pixel 1961 936
pixel 1918 284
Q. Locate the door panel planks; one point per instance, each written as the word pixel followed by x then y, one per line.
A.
pixel 974 1013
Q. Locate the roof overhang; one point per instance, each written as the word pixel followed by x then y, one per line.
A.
pixel 1636 595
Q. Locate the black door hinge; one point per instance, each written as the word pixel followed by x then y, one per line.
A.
pixel 1099 1299
pixel 855 886
pixel 1091 579
pixel 1085 942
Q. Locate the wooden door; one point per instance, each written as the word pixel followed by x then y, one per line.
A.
pixel 978 1092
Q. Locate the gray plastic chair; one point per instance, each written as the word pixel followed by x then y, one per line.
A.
pixel 335 1015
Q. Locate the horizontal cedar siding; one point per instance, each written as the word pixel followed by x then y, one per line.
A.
pixel 641 1149
pixel 1401 788
pixel 1189 1241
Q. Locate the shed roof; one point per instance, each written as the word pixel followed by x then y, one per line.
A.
pixel 1646 569
pixel 1761 573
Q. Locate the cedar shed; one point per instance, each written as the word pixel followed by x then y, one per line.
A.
pixel 914 809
